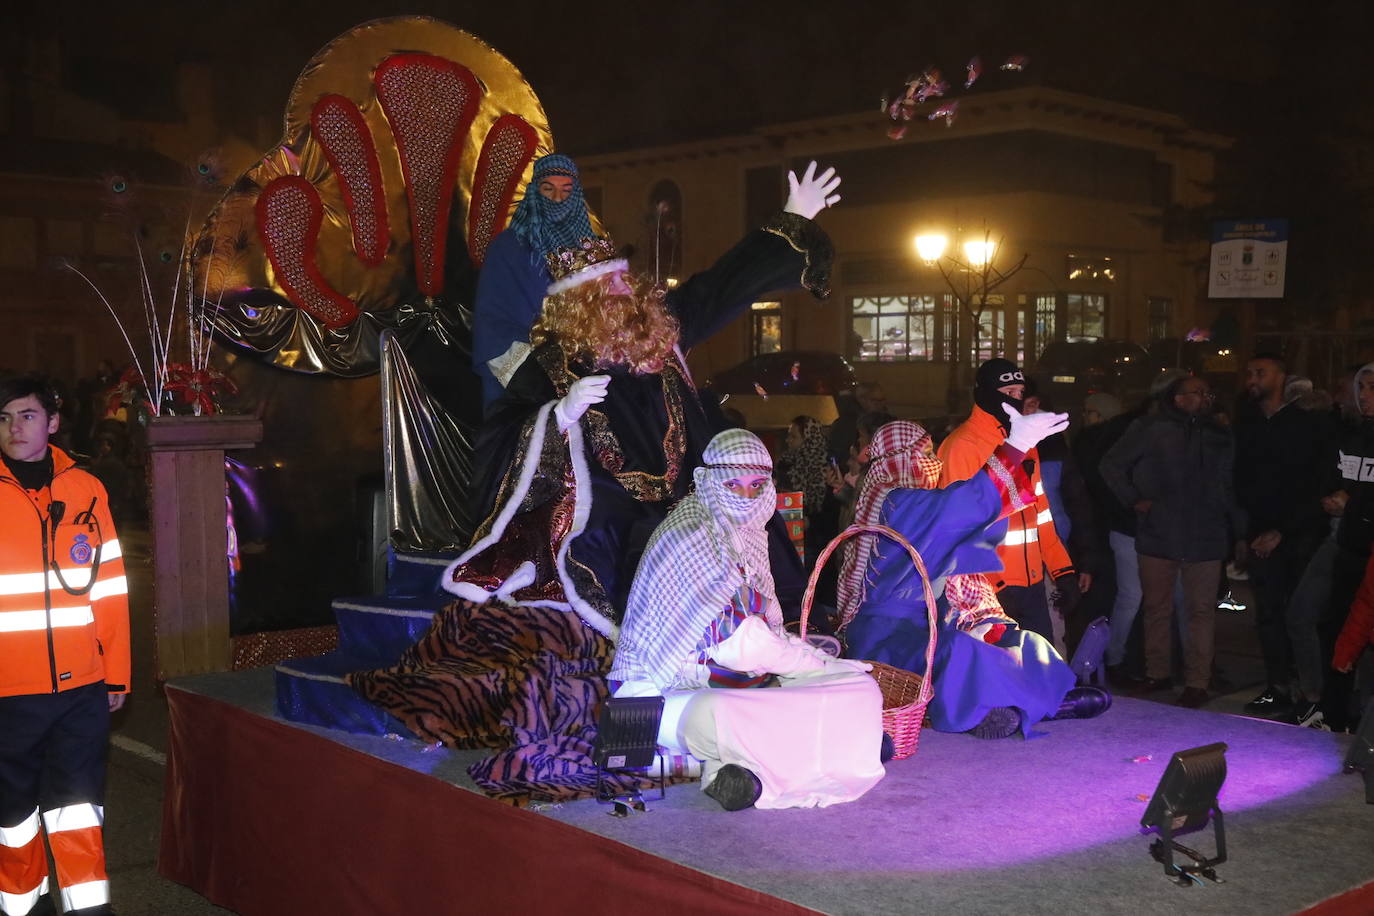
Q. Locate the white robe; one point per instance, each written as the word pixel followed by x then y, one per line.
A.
pixel 813 741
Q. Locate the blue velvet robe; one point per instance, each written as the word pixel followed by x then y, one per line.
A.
pixel 956 530
pixel 510 294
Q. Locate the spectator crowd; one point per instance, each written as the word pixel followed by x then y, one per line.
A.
pixel 1146 514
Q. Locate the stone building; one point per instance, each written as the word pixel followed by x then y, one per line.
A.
pixel 1078 195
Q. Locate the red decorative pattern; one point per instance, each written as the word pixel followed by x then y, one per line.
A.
pixel 508 148
pixel 430 103
pixel 342 133
pixel 289 215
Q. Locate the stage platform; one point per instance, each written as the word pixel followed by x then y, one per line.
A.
pixel 268 817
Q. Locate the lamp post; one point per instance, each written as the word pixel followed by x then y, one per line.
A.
pixel 971 279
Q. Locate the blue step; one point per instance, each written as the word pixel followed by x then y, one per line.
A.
pixel 377 629
pixel 415 573
pixel 313 691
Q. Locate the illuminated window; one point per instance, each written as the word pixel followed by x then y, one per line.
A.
pixel 1069 316
pixel 767 327
pixel 895 328
pixel 1081 267
pixel 991 340
pixel 1085 316
pixel 1046 319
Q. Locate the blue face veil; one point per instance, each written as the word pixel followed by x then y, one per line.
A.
pixel 545 225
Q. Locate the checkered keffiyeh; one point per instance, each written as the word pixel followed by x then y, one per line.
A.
pixel 711 544
pixel 902 457
pixel 545 225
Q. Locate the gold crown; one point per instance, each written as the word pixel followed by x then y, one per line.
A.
pixel 586 253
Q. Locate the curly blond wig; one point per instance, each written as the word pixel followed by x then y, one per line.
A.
pixel 590 322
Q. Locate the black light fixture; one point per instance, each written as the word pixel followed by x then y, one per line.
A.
pixel 1361 754
pixel 627 739
pixel 1184 801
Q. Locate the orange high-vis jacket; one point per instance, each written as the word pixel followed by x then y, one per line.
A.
pixel 1031 543
pixel 50 639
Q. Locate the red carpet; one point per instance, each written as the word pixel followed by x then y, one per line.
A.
pixel 241 827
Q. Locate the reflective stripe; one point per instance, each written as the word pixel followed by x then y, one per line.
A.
pixel 74 817
pixel 20 621
pixel 1040 519
pixel 119 585
pixel 1039 488
pixel 20 904
pixel 20 834
pixel 26 583
pixel 1016 538
pixel 32 583
pixel 89 893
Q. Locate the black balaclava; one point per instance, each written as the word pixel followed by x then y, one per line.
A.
pixel 994 374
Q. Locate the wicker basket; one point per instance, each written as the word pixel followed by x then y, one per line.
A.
pixel 905 694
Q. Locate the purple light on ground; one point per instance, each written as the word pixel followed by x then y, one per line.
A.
pixel 960 804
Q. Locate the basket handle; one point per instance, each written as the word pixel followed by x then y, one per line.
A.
pixel 927 689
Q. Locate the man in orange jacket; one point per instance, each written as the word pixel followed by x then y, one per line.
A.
pixel 64 641
pixel 1031 545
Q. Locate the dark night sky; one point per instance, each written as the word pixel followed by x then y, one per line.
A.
pixel 614 74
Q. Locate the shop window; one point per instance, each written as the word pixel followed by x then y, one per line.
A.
pixel 896 328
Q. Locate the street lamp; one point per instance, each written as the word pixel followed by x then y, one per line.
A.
pixel 979 251
pixel 970 280
pixel 930 248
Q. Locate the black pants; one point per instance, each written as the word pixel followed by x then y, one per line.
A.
pixel 1338 695
pixel 1029 607
pixel 1273 579
pixel 52 756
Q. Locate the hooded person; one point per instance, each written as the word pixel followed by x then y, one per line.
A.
pixel 702 614
pixel 995 384
pixel 991 677
pixel 514 276
pixel 1029 545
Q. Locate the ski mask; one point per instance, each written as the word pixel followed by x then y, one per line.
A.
pixel 992 375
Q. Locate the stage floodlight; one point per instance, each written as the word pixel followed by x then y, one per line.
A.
pixel 1184 801
pixel 1361 754
pixel 627 739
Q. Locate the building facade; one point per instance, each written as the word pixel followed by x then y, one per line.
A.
pixel 1076 196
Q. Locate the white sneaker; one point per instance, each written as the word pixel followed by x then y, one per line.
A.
pixel 1229 603
pixel 1308 715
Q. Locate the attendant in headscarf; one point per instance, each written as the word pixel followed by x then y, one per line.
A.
pixel 801 468
pixel 991 678
pixel 703 614
pixel 514 277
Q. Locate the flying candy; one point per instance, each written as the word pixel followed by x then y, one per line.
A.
pixel 796 371
pixel 759 390
pixel 975 70
pixel 949 111
pixel 1016 62
pixel 929 86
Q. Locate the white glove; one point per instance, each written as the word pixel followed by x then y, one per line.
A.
pixel 1029 429
pixel 582 394
pixel 811 195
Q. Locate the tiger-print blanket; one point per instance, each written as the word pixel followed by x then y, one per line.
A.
pixel 526 680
